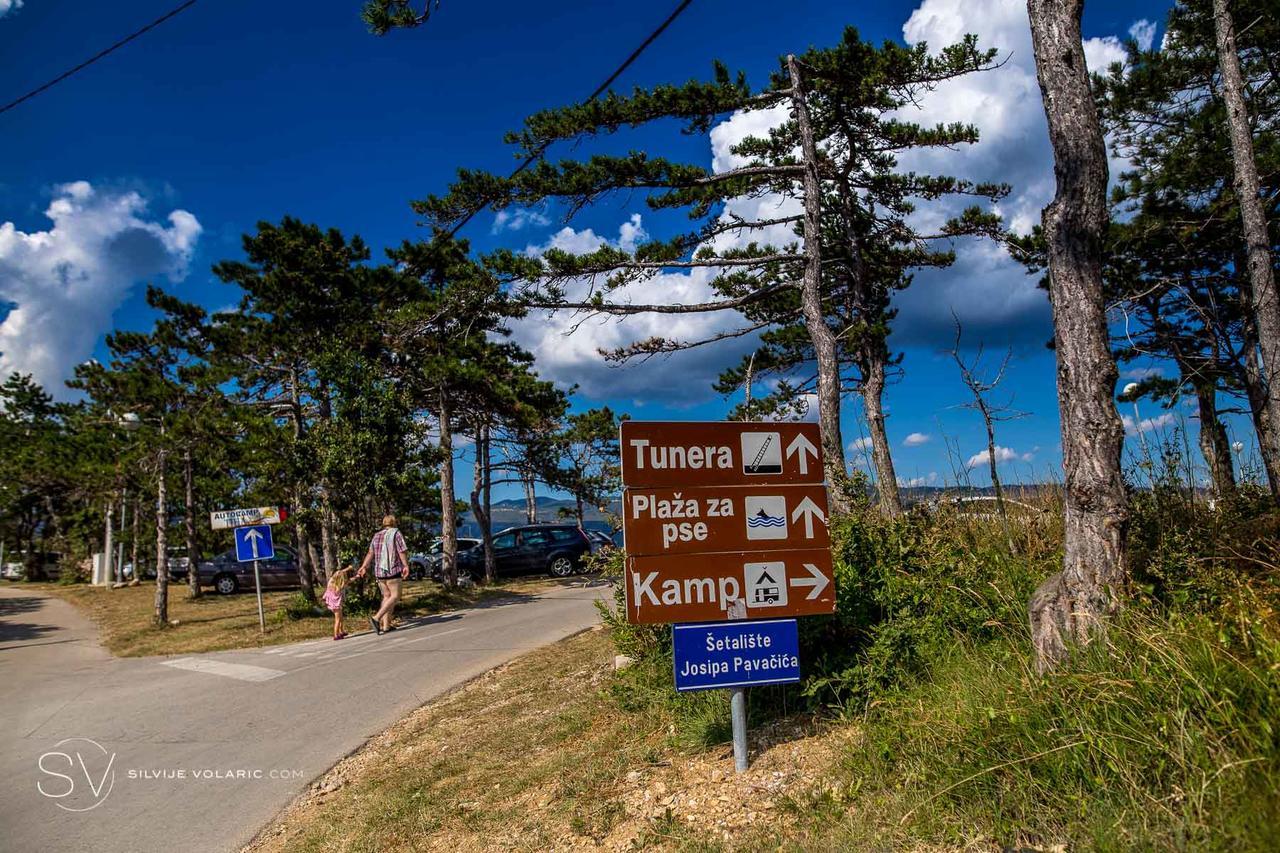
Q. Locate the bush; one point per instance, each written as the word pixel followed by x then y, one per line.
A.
pixel 298 607
pixel 907 591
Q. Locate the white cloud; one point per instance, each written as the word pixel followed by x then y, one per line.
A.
pixel 859 445
pixel 1101 53
pixel 517 219
pixel 916 439
pixel 917 482
pixel 7 6
pixel 65 283
pixel 1140 373
pixel 1134 427
pixel 567 345
pixel 1003 454
pixel 993 297
pixel 1144 33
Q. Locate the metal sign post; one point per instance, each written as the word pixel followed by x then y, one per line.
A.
pixel 257 589
pixel 725 527
pixel 254 544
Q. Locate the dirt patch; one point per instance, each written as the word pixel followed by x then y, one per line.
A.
pixel 536 755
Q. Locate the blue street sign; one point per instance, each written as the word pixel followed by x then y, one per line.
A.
pixel 254 543
pixel 736 654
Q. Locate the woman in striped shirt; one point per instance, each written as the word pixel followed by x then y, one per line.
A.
pixel 390 560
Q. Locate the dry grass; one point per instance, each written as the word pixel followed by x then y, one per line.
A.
pixel 217 622
pixel 537 755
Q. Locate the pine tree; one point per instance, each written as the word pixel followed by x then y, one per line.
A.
pixel 1072 604
pixel 839 102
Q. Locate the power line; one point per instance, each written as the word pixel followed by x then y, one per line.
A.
pixel 599 90
pixel 99 55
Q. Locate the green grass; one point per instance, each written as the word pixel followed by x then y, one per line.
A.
pixel 217 622
pixel 1162 738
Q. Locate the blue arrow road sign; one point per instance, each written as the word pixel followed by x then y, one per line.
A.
pixel 254 543
pixel 736 654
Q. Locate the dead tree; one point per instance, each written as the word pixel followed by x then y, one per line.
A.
pixel 981 386
pixel 1071 606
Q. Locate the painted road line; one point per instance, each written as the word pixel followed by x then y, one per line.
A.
pixel 238 671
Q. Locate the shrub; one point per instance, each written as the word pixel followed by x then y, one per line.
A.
pixel 907 591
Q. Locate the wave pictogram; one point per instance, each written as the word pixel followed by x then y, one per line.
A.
pixel 763 519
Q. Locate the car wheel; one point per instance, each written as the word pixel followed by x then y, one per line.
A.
pixel 560 566
pixel 226 584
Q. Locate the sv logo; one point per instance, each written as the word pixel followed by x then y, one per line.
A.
pixel 66 763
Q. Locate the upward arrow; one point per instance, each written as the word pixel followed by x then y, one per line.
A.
pixel 808 509
pixel 252 535
pixel 802 446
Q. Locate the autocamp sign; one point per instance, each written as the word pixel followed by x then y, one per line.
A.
pixel 224 519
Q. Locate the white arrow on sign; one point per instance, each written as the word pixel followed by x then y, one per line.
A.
pixel 808 509
pixel 253 536
pixel 818 581
pixel 803 447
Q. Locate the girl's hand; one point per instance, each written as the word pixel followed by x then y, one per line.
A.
pixel 404 573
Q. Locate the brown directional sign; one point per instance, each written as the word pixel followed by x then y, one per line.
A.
pixel 666 453
pixel 772 584
pixel 724 518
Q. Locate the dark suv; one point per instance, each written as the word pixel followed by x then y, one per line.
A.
pixel 556 549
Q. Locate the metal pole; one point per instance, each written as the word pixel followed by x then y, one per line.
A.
pixel 738 712
pixel 257 586
pixel 738 702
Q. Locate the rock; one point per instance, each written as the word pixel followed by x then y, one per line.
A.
pixel 621 662
pixel 634 776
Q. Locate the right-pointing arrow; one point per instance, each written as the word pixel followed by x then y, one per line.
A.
pixel 808 509
pixel 818 581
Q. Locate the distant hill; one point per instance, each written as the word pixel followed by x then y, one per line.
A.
pixel 510 513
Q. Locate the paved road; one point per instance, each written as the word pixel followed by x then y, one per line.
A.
pixel 198 752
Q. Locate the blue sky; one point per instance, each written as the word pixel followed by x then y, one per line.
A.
pixel 157 159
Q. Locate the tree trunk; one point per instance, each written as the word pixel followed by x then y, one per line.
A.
pixel 448 498
pixel 133 542
pixel 530 499
pixel 479 500
pixel 108 542
pixel 1264 299
pixel 189 512
pixel 1260 413
pixel 302 542
pixel 1071 606
pixel 328 539
pixel 881 455
pixel 824 341
pixel 486 498
pixel 162 542
pixel 996 486
pixel 1213 442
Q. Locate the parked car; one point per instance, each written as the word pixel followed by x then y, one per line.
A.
pixel 11 571
pixel 428 565
pixel 227 575
pixel 600 541
pixel 556 549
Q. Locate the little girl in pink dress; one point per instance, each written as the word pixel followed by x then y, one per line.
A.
pixel 333 595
